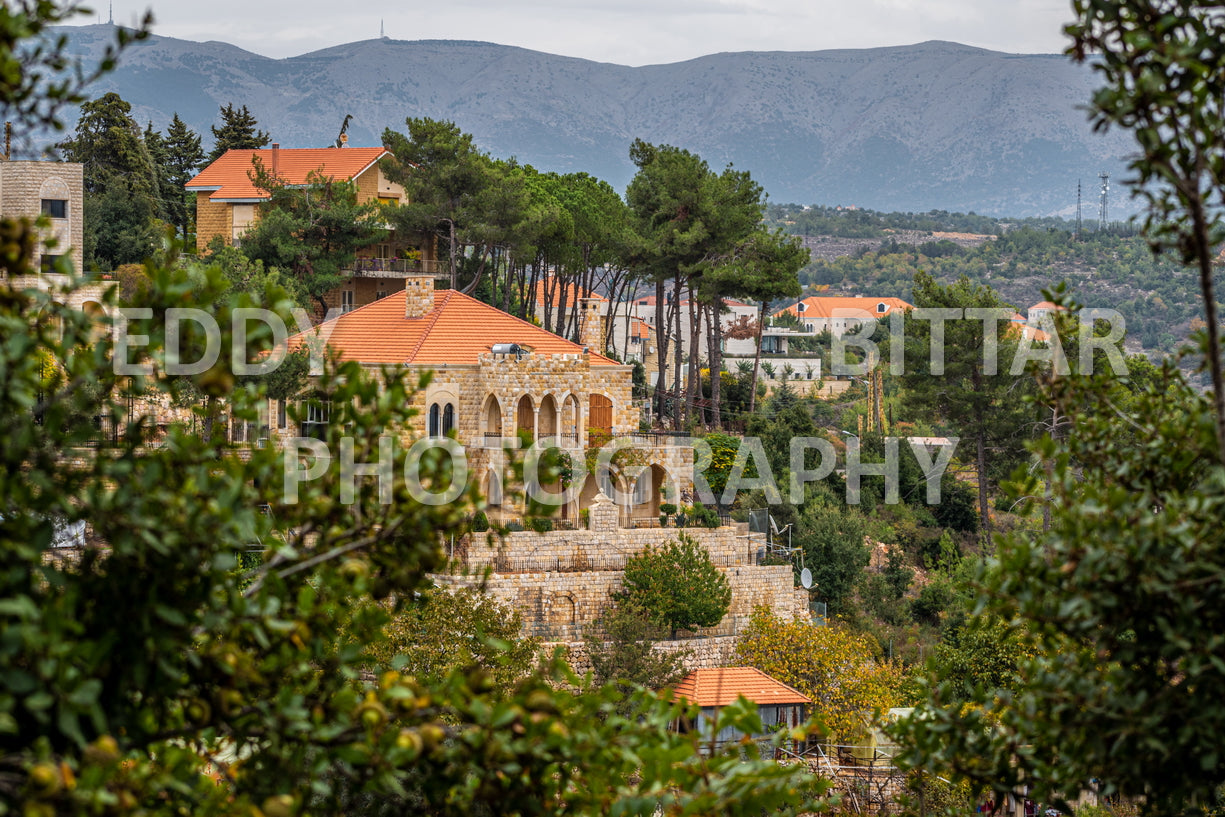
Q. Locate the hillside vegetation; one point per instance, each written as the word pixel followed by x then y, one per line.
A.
pixel 867 252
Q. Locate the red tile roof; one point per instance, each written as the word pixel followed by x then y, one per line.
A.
pixel 823 306
pixel 229 176
pixel 456 331
pixel 721 686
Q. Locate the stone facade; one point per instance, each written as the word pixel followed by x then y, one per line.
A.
pixel 213 218
pixel 25 185
pixel 562 581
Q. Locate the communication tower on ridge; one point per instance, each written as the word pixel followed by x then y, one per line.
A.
pixel 1078 223
pixel 1105 177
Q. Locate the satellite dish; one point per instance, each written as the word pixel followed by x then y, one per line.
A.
pixel 806 578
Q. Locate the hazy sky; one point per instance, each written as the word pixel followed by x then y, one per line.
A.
pixel 629 32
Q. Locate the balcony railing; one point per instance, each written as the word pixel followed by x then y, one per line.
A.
pixel 661 437
pixel 396 267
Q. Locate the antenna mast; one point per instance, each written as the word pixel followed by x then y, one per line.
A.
pixel 111 12
pixel 1078 223
pixel 1105 177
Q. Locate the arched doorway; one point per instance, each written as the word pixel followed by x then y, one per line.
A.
pixel 525 415
pixel 491 419
pixel 548 417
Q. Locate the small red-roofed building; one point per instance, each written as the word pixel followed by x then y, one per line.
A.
pixel 713 688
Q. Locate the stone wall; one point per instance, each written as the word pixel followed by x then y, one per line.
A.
pixel 562 581
pixel 563 606
pixel 24 185
pixel 700 653
pixel 212 218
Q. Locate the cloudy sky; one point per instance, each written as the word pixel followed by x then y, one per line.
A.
pixel 628 32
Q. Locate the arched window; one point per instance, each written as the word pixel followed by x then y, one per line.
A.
pixel 448 419
pixel 881 307
pixel 493 492
pixel 434 420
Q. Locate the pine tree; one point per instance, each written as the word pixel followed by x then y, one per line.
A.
pixel 239 131
pixel 122 189
pixel 184 156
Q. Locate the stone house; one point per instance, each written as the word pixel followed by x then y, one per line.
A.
pixel 54 189
pixel 495 376
pixel 29 189
pixel 227 205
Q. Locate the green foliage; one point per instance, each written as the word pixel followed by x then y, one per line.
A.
pixel 723 448
pixel 677 584
pixel 456 193
pixel 454 629
pixel 239 131
pixel 150 677
pixel 621 649
pixel 1120 610
pixel 834 666
pixel 311 232
pixel 832 539
pixel 480 522
pixel 180 157
pixel 122 184
pixel 986 409
pixel 541 524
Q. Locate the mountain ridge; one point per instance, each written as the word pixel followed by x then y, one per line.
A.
pixel 934 125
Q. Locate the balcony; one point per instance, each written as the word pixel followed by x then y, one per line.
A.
pixel 396 268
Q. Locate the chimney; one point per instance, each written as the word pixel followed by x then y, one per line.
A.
pixel 418 295
pixel 276 155
pixel 591 325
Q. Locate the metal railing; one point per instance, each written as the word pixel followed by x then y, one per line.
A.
pixel 661 437
pixel 385 267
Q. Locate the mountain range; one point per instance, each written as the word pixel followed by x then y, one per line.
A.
pixel 936 125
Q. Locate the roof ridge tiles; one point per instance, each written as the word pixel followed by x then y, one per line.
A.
pixel 432 316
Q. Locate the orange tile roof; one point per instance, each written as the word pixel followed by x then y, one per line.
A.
pixel 456 331
pixel 819 306
pixel 229 176
pixel 640 329
pixel 720 686
pixel 1047 305
pixel 562 292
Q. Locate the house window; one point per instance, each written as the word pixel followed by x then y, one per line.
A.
pixel 315 423
pixel 435 420
pixel 280 414
pixel 448 419
pixel 243 216
pixel 55 208
pixel 380 295
pixel 49 262
pixel 880 308
pixel 494 497
pixel 346 301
